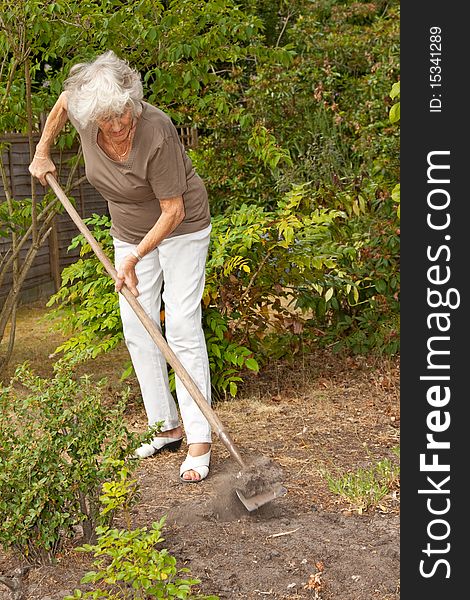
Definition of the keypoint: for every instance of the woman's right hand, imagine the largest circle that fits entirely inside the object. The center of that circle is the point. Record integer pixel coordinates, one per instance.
(126, 275)
(40, 166)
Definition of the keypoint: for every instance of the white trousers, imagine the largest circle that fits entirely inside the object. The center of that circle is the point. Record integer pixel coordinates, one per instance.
(177, 264)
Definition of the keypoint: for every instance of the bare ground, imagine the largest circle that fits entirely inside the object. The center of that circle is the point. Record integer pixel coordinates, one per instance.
(324, 413)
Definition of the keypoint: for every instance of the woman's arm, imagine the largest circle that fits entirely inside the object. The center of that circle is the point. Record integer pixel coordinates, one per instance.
(172, 215)
(57, 118)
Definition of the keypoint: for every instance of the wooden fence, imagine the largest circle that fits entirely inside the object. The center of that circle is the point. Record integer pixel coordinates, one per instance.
(44, 276)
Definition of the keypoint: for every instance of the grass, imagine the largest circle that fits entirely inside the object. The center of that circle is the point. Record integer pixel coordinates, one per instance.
(366, 488)
(37, 338)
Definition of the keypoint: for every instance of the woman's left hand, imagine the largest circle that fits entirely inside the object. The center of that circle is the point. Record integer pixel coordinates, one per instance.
(126, 275)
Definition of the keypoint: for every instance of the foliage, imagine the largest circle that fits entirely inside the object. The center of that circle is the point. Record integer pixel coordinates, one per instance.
(366, 488)
(227, 357)
(301, 275)
(266, 269)
(371, 321)
(290, 98)
(326, 116)
(394, 114)
(194, 54)
(87, 295)
(129, 563)
(326, 110)
(57, 438)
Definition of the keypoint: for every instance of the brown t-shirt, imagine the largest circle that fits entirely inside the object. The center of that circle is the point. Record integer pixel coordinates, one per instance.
(157, 168)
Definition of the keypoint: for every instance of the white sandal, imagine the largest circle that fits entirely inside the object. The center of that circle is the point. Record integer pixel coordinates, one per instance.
(158, 444)
(200, 464)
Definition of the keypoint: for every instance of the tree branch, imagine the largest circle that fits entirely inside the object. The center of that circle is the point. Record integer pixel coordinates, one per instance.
(255, 275)
(286, 20)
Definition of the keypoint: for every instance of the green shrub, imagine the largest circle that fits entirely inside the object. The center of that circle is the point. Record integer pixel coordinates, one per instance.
(56, 439)
(267, 269)
(87, 298)
(326, 110)
(369, 320)
(276, 280)
(128, 561)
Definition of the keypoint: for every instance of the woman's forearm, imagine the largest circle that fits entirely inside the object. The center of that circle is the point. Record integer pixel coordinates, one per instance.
(172, 215)
(42, 163)
(55, 122)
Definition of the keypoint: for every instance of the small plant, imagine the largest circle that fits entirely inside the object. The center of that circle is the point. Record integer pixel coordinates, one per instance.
(87, 300)
(365, 488)
(58, 440)
(226, 357)
(129, 564)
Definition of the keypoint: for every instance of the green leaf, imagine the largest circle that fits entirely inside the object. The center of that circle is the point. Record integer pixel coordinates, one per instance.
(395, 113)
(252, 364)
(395, 91)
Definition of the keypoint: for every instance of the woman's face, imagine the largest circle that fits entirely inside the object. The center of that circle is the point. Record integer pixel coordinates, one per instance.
(116, 127)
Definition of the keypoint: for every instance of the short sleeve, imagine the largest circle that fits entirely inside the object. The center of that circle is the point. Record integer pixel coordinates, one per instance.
(166, 169)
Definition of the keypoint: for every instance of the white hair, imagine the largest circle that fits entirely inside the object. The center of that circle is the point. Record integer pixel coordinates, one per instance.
(106, 86)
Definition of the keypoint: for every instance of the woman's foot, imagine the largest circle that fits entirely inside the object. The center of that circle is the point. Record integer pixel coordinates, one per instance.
(176, 433)
(167, 440)
(201, 466)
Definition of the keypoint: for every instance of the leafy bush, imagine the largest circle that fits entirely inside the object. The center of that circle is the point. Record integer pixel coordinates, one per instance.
(266, 269)
(304, 273)
(369, 321)
(276, 279)
(327, 118)
(325, 112)
(56, 439)
(88, 297)
(129, 563)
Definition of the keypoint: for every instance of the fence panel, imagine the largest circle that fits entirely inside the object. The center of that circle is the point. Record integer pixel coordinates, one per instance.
(44, 275)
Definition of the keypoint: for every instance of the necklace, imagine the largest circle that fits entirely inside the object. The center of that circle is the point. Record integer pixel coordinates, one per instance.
(121, 156)
(128, 146)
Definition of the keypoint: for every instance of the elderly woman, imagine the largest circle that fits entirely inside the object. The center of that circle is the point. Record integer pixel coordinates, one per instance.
(160, 227)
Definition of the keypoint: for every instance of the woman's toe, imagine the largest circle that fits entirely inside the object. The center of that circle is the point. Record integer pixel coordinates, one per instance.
(195, 468)
(191, 476)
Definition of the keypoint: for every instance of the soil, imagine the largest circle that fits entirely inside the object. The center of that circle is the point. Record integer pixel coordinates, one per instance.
(293, 423)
